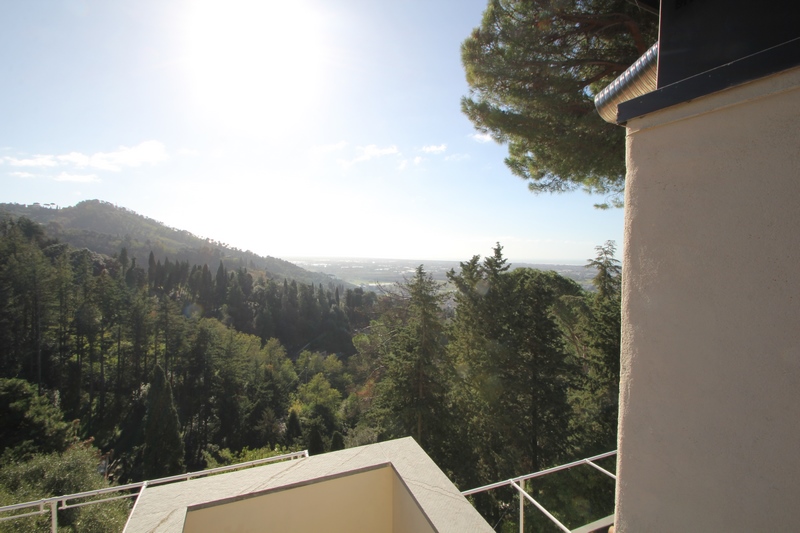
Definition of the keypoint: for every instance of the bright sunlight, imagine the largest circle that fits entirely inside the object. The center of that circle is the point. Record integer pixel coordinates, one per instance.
(255, 65)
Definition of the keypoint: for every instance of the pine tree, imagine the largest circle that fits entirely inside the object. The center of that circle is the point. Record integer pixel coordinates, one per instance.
(533, 67)
(162, 454)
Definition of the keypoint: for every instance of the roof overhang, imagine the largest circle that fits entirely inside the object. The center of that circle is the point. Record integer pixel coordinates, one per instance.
(705, 47)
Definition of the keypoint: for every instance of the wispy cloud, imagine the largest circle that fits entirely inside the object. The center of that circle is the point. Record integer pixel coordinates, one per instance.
(35, 161)
(147, 152)
(415, 161)
(23, 175)
(434, 149)
(365, 153)
(457, 157)
(482, 137)
(77, 178)
(372, 151)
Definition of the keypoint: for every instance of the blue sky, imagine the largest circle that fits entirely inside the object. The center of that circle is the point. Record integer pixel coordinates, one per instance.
(302, 128)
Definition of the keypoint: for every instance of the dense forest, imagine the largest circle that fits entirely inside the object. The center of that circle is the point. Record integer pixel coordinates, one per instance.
(167, 367)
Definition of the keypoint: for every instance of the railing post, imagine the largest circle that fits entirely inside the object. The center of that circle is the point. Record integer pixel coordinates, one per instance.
(539, 506)
(54, 517)
(522, 508)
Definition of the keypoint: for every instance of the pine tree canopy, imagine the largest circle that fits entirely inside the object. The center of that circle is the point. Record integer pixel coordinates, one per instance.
(533, 68)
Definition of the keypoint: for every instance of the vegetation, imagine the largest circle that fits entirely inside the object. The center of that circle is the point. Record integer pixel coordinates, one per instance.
(533, 68)
(508, 372)
(162, 451)
(55, 474)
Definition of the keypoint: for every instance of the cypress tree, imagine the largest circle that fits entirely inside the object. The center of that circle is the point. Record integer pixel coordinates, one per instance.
(220, 286)
(316, 445)
(337, 441)
(151, 269)
(293, 429)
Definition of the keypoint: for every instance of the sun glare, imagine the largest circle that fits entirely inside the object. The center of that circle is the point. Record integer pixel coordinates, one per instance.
(255, 65)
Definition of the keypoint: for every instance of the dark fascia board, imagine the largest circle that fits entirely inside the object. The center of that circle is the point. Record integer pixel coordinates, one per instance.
(749, 68)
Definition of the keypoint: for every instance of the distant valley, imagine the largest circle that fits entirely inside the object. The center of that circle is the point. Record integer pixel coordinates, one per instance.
(372, 274)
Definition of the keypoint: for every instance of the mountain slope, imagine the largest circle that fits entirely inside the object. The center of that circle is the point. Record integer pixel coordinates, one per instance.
(105, 228)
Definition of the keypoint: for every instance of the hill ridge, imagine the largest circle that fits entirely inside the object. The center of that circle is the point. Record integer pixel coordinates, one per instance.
(106, 228)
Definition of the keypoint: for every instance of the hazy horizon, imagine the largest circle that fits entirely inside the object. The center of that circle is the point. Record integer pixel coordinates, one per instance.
(570, 262)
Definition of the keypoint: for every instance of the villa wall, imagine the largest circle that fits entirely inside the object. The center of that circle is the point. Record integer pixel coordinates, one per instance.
(710, 389)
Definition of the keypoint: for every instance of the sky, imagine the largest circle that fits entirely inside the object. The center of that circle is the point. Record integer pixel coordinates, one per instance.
(302, 128)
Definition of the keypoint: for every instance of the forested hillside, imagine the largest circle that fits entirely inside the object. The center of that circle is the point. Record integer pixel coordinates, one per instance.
(105, 228)
(169, 366)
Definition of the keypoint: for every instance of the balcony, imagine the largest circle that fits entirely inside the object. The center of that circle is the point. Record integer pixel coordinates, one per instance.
(388, 487)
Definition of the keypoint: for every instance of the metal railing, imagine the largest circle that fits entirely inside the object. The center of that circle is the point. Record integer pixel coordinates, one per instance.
(57, 503)
(518, 483)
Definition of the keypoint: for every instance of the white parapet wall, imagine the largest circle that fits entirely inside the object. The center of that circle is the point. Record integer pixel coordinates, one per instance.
(710, 390)
(388, 487)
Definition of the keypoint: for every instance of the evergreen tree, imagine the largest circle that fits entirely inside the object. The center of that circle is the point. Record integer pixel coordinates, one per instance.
(411, 397)
(512, 368)
(315, 444)
(205, 292)
(29, 422)
(288, 325)
(293, 429)
(220, 287)
(238, 307)
(27, 299)
(337, 441)
(604, 340)
(139, 331)
(123, 261)
(198, 368)
(533, 68)
(151, 269)
(162, 454)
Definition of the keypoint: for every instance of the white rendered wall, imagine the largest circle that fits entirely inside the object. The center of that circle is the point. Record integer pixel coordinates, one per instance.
(710, 391)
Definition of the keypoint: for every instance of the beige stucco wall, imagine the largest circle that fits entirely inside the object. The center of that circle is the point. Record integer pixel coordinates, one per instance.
(710, 392)
(375, 501)
(407, 517)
